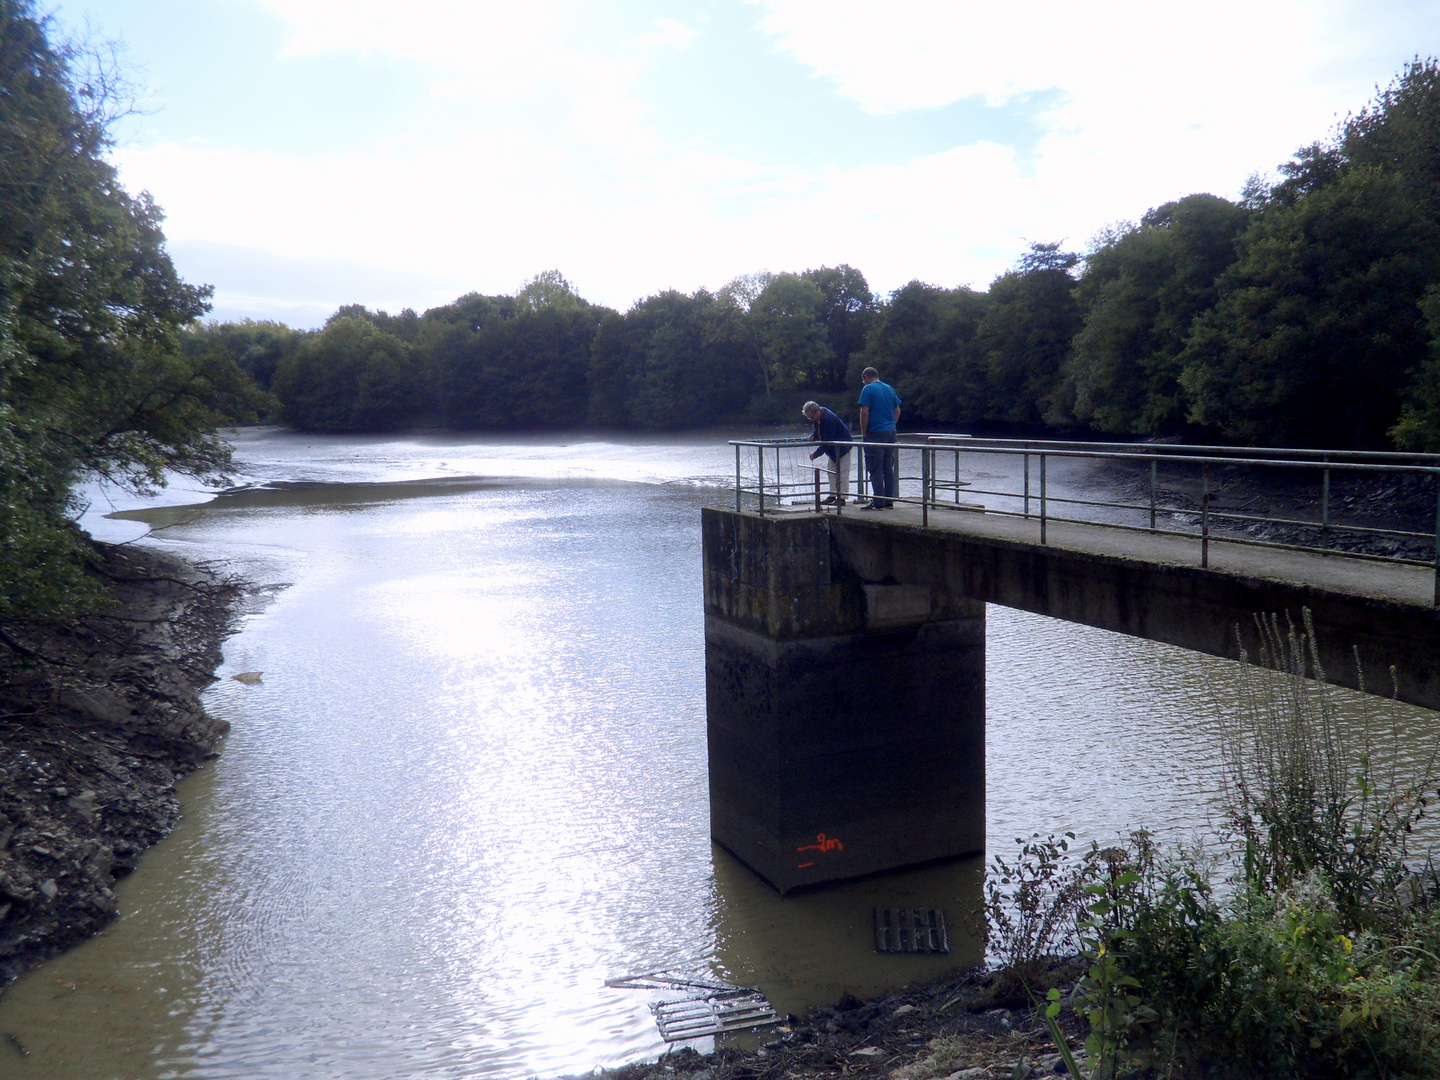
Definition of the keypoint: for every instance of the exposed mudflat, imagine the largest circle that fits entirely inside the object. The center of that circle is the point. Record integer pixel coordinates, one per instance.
(98, 720)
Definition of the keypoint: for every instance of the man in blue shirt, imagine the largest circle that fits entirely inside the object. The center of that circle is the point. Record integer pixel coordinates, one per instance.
(829, 430)
(879, 413)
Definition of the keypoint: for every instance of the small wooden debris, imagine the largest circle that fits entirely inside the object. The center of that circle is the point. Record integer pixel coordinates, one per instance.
(911, 930)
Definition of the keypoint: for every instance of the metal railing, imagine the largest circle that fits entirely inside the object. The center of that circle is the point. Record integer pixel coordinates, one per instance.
(771, 474)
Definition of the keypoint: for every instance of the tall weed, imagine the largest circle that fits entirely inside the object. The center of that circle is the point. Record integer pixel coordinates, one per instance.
(1303, 792)
(1322, 958)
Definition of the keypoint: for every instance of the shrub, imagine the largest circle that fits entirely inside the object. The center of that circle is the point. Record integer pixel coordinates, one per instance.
(1324, 961)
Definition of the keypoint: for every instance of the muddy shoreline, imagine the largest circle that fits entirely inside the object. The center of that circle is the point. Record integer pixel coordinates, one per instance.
(98, 720)
(970, 1026)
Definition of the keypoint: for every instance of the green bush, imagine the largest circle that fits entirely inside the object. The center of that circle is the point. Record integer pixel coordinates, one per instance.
(1324, 958)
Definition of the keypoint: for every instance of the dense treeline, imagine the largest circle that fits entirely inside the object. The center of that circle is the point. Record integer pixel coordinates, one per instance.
(92, 377)
(1307, 313)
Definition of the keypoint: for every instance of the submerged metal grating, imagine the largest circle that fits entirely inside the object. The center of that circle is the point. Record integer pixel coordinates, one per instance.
(710, 1008)
(910, 930)
(691, 1018)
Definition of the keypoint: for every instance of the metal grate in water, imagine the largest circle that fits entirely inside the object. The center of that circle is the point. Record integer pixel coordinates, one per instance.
(912, 930)
(708, 1008)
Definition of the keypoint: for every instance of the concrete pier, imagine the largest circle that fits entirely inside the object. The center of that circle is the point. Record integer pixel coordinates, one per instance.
(846, 717)
(845, 660)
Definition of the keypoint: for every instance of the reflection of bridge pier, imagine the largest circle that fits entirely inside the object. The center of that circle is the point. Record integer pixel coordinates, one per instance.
(813, 947)
(845, 660)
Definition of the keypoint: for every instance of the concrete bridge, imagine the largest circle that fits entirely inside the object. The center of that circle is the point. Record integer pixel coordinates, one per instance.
(845, 659)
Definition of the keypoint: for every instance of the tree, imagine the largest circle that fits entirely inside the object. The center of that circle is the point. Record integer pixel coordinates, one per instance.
(91, 313)
(1317, 325)
(1142, 288)
(733, 324)
(1419, 425)
(548, 290)
(1400, 133)
(1025, 335)
(847, 311)
(530, 371)
(352, 376)
(787, 327)
(257, 348)
(661, 365)
(924, 344)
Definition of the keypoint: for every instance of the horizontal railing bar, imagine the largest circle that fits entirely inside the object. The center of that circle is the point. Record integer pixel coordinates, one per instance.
(1103, 456)
(804, 490)
(1182, 534)
(1167, 449)
(1247, 541)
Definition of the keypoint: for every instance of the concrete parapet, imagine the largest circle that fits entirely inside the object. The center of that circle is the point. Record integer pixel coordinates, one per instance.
(1184, 605)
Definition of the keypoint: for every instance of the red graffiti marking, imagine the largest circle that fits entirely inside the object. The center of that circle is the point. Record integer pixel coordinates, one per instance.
(823, 844)
(803, 865)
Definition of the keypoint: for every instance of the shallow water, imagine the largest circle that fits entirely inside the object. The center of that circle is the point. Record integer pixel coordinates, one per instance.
(470, 785)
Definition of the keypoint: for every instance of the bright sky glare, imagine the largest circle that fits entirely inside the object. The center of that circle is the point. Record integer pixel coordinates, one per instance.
(312, 153)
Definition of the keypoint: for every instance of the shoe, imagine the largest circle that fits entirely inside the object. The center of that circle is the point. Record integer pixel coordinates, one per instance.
(872, 506)
(829, 500)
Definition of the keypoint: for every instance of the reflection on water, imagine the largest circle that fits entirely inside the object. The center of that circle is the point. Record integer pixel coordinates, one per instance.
(471, 786)
(812, 948)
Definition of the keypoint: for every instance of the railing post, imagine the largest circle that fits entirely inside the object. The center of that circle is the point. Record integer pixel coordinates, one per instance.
(957, 475)
(1205, 516)
(925, 491)
(817, 488)
(1042, 498)
(1027, 483)
(760, 476)
(1154, 470)
(1437, 537)
(1325, 507)
(737, 478)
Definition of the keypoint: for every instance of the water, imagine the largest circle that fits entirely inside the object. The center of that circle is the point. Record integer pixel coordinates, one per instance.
(471, 784)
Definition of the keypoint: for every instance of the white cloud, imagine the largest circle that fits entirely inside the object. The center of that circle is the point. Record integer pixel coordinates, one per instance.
(1157, 101)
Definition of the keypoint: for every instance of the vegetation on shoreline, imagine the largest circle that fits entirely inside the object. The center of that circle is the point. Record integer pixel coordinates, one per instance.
(93, 381)
(1318, 956)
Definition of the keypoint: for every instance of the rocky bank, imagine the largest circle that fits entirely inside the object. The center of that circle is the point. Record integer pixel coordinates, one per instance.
(98, 720)
(972, 1026)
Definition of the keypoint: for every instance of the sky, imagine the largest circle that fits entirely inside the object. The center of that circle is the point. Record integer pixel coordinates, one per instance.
(314, 153)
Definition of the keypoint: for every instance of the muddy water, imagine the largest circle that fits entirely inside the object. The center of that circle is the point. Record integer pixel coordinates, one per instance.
(470, 784)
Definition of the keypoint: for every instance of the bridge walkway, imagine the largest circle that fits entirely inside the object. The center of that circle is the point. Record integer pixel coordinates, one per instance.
(1398, 583)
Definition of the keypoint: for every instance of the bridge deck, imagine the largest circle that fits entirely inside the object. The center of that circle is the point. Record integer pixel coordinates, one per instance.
(1397, 583)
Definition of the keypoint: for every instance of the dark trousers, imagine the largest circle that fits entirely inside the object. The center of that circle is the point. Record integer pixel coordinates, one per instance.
(882, 463)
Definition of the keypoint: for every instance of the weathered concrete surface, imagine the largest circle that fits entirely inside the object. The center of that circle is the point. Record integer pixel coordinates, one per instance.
(1152, 587)
(846, 719)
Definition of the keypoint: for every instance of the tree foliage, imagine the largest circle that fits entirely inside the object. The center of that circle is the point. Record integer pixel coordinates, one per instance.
(93, 379)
